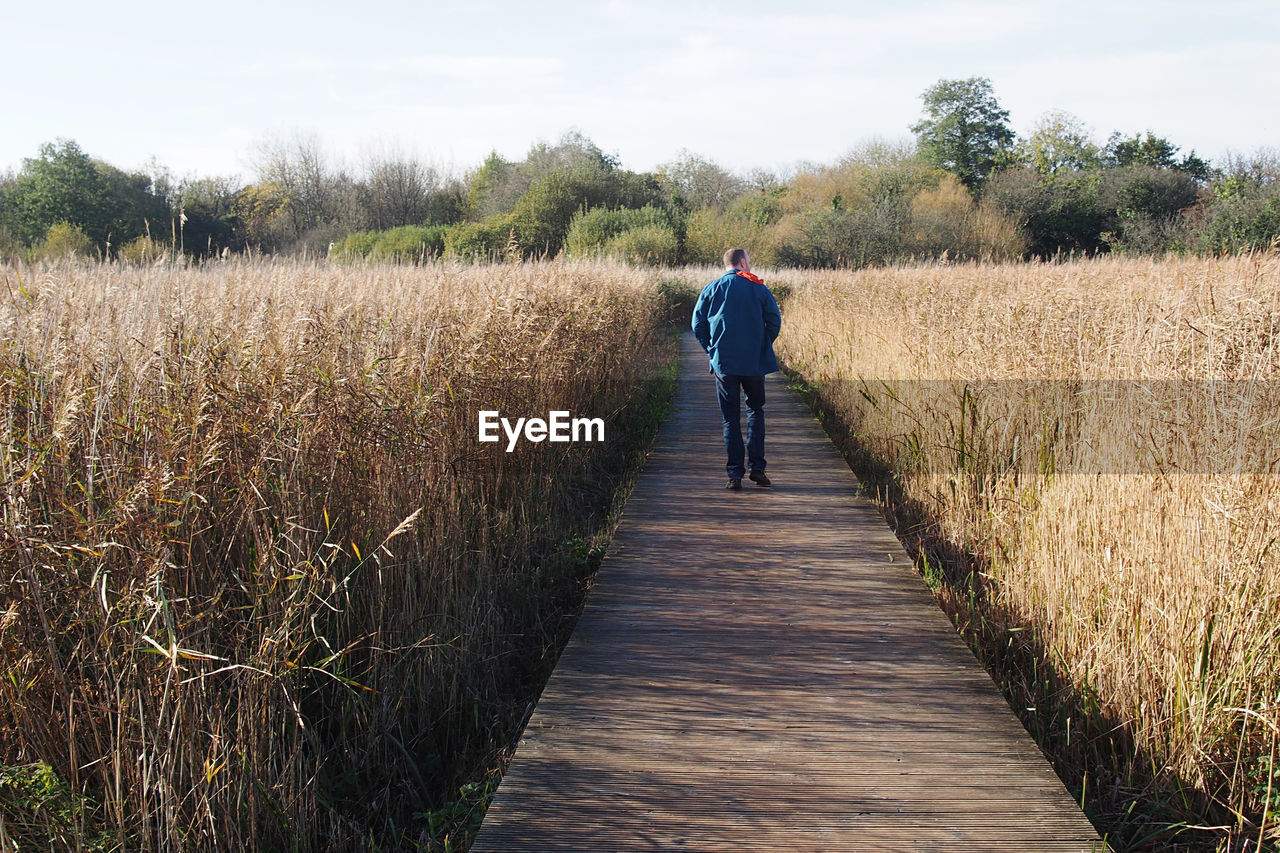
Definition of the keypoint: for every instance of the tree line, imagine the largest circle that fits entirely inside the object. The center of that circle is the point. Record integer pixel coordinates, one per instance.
(966, 187)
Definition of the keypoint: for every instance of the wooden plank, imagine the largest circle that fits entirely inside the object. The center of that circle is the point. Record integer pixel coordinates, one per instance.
(765, 670)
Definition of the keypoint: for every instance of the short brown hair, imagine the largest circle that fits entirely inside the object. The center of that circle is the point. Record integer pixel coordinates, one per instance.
(734, 257)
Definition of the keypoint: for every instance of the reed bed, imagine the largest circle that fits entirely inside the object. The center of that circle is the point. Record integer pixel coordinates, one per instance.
(1084, 456)
(261, 587)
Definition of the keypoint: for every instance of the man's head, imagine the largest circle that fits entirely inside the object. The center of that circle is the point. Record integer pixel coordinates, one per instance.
(738, 259)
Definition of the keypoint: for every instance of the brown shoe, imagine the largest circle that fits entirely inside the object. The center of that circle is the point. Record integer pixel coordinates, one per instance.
(760, 479)
(734, 484)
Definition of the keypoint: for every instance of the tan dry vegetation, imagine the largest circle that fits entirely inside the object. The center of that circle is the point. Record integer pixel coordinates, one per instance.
(261, 586)
(1091, 448)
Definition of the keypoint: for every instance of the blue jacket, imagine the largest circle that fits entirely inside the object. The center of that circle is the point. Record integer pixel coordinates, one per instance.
(736, 319)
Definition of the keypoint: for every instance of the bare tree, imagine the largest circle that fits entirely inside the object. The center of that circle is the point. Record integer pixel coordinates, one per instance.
(297, 168)
(701, 182)
(397, 190)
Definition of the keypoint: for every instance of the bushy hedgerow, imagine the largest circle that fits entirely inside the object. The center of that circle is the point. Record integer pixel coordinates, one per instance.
(653, 245)
(355, 246)
(63, 239)
(412, 243)
(405, 244)
(482, 241)
(710, 231)
(1238, 214)
(591, 231)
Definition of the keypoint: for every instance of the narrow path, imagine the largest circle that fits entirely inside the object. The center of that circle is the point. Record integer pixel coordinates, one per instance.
(765, 670)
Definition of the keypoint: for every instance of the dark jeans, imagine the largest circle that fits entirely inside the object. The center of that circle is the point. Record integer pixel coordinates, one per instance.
(728, 390)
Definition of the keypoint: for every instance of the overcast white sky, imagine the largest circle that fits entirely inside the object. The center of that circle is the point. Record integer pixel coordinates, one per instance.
(749, 84)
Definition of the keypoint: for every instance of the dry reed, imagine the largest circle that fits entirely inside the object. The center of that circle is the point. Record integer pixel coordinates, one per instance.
(261, 586)
(1090, 450)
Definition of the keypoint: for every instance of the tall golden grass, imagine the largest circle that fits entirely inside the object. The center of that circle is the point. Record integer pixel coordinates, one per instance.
(1089, 449)
(261, 587)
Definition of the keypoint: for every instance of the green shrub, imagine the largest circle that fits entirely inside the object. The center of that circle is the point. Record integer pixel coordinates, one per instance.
(1143, 192)
(543, 214)
(63, 239)
(757, 208)
(1238, 215)
(709, 233)
(482, 241)
(868, 236)
(354, 246)
(591, 231)
(39, 811)
(404, 244)
(820, 238)
(1144, 234)
(410, 243)
(679, 295)
(654, 245)
(1063, 215)
(143, 250)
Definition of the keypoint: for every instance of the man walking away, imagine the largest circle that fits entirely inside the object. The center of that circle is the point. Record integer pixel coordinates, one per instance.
(736, 319)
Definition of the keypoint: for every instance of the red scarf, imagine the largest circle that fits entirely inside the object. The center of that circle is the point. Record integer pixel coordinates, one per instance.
(751, 277)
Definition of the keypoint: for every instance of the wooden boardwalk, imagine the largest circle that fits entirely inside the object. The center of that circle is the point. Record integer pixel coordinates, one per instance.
(765, 670)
